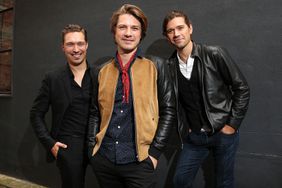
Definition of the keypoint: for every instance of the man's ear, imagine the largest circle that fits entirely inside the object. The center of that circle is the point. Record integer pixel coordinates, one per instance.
(191, 29)
(62, 47)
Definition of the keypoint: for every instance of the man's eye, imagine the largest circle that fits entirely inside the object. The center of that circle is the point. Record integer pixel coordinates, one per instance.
(180, 27)
(121, 27)
(81, 43)
(135, 28)
(69, 45)
(169, 31)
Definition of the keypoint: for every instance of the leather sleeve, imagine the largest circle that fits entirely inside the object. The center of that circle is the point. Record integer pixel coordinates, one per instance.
(238, 85)
(94, 114)
(167, 111)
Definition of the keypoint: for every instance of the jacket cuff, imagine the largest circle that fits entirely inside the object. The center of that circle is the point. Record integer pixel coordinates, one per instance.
(50, 144)
(234, 123)
(90, 151)
(154, 152)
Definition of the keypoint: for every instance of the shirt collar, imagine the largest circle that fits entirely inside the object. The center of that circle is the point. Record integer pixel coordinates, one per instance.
(138, 54)
(180, 60)
(70, 72)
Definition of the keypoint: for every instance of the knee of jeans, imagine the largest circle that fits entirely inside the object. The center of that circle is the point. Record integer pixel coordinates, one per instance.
(180, 180)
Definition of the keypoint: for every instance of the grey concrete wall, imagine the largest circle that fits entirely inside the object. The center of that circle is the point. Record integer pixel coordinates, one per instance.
(249, 30)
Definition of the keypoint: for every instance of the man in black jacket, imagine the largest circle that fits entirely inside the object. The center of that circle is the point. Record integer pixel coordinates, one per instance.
(67, 91)
(213, 98)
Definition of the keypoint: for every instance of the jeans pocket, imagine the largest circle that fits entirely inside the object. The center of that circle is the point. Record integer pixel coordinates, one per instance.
(60, 153)
(228, 135)
(59, 156)
(197, 138)
(229, 139)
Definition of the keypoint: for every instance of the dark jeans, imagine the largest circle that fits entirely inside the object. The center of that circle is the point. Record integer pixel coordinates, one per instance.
(133, 175)
(72, 162)
(195, 150)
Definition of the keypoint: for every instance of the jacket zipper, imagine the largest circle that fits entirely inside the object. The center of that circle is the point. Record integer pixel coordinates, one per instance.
(203, 94)
(135, 127)
(177, 101)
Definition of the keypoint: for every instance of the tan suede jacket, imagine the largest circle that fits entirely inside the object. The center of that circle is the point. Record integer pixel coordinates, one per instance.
(153, 102)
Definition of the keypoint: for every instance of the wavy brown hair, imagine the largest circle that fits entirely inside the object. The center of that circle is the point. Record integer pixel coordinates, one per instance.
(133, 10)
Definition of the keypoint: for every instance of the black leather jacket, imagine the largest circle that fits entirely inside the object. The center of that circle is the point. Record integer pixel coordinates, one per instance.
(225, 91)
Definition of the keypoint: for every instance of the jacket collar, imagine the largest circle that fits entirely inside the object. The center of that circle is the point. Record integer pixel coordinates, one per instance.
(69, 72)
(195, 50)
(194, 53)
(65, 81)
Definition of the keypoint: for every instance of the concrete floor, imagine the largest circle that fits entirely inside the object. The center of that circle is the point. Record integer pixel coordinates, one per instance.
(10, 182)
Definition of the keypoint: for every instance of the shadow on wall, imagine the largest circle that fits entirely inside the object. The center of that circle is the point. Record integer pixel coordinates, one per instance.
(32, 159)
(101, 61)
(160, 48)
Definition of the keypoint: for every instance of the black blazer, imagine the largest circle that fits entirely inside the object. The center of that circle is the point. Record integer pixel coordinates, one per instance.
(55, 91)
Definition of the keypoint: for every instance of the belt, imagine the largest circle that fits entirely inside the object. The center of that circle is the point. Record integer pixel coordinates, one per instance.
(203, 130)
(206, 128)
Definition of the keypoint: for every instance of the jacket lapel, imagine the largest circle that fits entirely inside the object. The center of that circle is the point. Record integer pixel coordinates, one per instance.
(66, 84)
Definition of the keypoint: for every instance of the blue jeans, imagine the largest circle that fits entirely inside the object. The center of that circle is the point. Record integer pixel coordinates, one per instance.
(196, 148)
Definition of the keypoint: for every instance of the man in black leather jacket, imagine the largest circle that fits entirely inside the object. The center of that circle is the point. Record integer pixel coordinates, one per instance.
(213, 98)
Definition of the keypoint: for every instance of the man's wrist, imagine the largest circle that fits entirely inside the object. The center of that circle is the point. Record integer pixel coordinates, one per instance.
(154, 152)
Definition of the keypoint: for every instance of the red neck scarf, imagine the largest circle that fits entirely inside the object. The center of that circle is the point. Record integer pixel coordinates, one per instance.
(125, 76)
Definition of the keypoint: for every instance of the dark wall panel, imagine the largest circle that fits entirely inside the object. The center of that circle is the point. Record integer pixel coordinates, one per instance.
(249, 30)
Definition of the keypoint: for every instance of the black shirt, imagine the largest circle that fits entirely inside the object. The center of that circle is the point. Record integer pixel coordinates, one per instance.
(76, 116)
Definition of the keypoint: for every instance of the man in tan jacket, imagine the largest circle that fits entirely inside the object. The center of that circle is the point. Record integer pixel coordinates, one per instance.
(133, 108)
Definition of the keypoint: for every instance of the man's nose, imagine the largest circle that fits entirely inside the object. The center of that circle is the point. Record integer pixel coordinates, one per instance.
(128, 32)
(176, 32)
(75, 48)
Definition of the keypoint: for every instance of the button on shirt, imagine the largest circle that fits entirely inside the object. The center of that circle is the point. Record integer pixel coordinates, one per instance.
(118, 145)
(186, 67)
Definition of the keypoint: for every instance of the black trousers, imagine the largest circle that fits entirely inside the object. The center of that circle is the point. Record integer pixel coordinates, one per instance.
(133, 175)
(72, 162)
